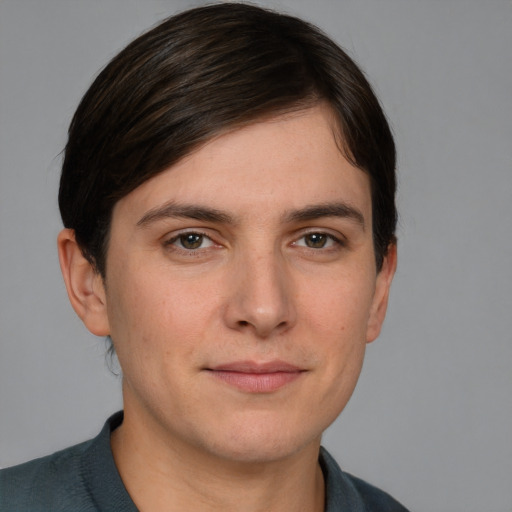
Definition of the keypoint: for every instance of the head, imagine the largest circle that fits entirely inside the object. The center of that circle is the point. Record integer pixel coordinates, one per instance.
(228, 193)
(202, 73)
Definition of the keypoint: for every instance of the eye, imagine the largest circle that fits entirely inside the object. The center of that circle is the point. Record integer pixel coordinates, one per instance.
(317, 241)
(190, 241)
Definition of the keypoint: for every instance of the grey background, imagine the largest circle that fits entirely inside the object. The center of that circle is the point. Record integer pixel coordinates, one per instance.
(431, 419)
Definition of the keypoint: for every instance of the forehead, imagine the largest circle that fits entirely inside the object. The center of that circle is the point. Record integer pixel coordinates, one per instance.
(266, 167)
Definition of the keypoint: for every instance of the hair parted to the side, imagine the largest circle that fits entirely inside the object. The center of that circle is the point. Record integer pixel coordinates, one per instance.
(200, 73)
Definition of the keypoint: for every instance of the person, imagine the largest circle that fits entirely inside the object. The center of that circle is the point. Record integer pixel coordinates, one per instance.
(227, 193)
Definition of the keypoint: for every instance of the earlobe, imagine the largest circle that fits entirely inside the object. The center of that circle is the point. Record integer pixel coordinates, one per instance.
(381, 296)
(85, 287)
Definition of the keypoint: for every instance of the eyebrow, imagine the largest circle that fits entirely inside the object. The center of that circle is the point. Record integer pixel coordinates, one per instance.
(207, 214)
(337, 209)
(175, 210)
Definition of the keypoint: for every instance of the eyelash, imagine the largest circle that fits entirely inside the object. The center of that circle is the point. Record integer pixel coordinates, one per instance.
(171, 242)
(336, 242)
(332, 241)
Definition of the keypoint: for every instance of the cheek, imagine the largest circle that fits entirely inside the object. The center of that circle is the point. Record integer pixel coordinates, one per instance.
(339, 305)
(338, 316)
(157, 319)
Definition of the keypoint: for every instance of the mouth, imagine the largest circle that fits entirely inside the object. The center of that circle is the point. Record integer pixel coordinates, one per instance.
(252, 377)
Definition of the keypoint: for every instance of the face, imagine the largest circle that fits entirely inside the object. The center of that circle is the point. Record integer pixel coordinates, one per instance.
(241, 290)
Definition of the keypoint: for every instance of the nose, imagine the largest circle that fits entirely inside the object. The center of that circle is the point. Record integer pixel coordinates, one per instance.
(261, 299)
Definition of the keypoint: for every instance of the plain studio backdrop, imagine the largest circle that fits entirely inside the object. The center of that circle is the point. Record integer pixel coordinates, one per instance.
(431, 418)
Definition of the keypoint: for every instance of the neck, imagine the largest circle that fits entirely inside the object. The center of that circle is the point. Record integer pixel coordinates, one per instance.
(180, 477)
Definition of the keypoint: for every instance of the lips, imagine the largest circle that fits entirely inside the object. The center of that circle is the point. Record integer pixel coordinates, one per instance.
(252, 377)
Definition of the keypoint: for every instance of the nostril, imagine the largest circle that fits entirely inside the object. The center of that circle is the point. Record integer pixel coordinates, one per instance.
(243, 323)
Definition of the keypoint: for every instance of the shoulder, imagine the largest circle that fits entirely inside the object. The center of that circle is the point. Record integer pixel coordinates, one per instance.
(83, 478)
(375, 499)
(53, 482)
(347, 492)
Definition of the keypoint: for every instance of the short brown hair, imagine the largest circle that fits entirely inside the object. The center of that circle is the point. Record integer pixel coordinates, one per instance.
(195, 75)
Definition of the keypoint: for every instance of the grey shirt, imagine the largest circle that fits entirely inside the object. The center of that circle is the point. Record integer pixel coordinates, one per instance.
(84, 478)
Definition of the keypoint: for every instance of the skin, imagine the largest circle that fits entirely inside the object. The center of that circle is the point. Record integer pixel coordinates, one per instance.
(264, 277)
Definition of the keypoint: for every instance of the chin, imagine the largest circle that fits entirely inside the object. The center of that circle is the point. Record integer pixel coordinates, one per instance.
(255, 445)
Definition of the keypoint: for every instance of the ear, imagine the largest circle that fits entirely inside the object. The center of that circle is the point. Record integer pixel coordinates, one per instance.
(85, 287)
(381, 295)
